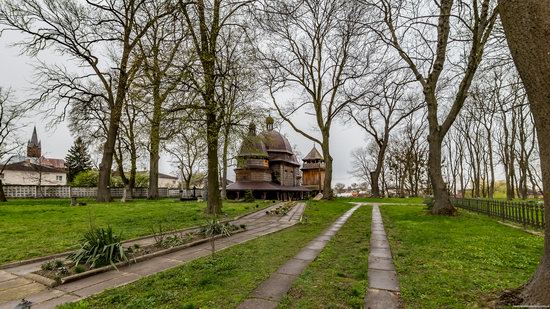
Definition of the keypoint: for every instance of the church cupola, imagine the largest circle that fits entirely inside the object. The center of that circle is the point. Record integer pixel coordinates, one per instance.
(269, 123)
(34, 147)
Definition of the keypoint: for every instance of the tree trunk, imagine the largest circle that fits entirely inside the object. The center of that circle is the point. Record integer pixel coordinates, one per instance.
(2, 194)
(213, 199)
(154, 140)
(375, 175)
(127, 194)
(327, 184)
(442, 200)
(527, 28)
(224, 162)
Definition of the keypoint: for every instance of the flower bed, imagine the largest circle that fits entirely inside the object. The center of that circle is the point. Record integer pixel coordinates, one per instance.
(282, 209)
(56, 272)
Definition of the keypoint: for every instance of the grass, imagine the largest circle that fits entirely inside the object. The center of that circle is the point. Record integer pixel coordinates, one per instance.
(392, 200)
(222, 281)
(338, 277)
(457, 262)
(38, 227)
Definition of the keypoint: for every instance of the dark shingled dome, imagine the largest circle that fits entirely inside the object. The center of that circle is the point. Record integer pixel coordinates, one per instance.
(253, 146)
(275, 142)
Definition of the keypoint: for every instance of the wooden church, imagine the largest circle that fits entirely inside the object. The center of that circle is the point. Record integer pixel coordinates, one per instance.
(267, 166)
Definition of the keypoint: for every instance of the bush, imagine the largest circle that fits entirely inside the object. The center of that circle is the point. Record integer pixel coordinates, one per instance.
(86, 179)
(99, 247)
(249, 197)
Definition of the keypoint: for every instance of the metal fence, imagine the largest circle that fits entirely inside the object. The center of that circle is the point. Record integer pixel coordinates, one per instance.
(526, 213)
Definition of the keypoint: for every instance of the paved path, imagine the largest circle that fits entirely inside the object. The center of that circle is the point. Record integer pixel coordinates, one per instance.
(270, 292)
(383, 291)
(14, 285)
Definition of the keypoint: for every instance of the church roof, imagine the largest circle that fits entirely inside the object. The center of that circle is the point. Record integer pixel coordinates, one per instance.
(26, 166)
(313, 155)
(34, 139)
(253, 146)
(276, 142)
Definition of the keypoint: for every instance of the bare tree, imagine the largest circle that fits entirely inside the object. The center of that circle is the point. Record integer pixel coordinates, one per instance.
(527, 25)
(89, 33)
(322, 51)
(391, 102)
(422, 32)
(10, 117)
(187, 149)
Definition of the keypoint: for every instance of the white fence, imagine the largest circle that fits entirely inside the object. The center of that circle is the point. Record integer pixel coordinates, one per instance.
(67, 192)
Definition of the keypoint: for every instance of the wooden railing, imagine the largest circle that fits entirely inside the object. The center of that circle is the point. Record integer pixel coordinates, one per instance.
(526, 213)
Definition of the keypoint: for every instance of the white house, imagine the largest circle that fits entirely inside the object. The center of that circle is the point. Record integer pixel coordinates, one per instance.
(28, 173)
(168, 181)
(34, 169)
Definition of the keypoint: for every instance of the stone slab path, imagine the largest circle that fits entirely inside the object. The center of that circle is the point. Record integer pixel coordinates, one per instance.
(270, 292)
(14, 285)
(383, 291)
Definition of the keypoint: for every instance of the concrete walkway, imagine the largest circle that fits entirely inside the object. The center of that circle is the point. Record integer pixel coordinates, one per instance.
(14, 285)
(270, 292)
(383, 291)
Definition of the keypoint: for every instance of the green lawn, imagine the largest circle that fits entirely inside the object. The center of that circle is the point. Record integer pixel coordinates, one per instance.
(338, 277)
(32, 228)
(224, 280)
(392, 200)
(457, 262)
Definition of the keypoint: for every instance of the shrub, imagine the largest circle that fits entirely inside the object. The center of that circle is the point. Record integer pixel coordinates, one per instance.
(99, 247)
(214, 227)
(52, 265)
(248, 197)
(86, 179)
(79, 269)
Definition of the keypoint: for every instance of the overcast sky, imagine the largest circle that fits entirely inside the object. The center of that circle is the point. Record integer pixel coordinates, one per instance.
(17, 74)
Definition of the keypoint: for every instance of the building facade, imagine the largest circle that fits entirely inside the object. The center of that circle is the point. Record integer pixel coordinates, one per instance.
(267, 166)
(313, 171)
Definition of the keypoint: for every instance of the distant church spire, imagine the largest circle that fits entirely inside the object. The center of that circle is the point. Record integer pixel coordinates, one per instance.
(34, 146)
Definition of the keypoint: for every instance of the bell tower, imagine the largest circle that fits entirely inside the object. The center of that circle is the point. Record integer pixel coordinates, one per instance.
(34, 146)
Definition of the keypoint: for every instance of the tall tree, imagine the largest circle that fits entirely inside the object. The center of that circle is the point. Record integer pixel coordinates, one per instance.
(164, 51)
(206, 21)
(436, 28)
(527, 27)
(321, 49)
(77, 159)
(90, 33)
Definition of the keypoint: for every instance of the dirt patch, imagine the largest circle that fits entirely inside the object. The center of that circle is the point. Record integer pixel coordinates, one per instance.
(505, 299)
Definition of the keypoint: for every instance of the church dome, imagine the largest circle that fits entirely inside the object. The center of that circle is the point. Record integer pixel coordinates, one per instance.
(275, 142)
(253, 146)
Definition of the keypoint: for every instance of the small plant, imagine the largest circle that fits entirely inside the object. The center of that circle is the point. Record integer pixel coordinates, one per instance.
(242, 226)
(249, 197)
(214, 228)
(79, 269)
(99, 247)
(52, 265)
